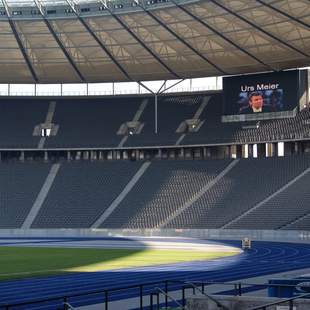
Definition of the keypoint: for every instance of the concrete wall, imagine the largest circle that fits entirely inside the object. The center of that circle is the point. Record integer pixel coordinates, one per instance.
(219, 234)
(243, 303)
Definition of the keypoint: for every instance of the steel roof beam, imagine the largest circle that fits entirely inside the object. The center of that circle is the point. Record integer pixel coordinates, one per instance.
(95, 37)
(19, 42)
(260, 29)
(222, 36)
(181, 39)
(284, 13)
(89, 30)
(139, 40)
(66, 53)
(175, 84)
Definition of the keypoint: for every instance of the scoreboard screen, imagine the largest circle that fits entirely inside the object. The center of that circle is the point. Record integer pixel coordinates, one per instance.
(261, 93)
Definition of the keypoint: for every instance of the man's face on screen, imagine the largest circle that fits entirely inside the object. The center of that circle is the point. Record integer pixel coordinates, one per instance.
(257, 102)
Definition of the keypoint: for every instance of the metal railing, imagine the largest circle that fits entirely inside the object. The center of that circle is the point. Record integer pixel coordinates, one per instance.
(202, 291)
(167, 296)
(152, 289)
(67, 306)
(90, 93)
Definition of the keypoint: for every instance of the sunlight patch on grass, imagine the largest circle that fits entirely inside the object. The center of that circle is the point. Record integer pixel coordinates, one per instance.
(152, 257)
(26, 262)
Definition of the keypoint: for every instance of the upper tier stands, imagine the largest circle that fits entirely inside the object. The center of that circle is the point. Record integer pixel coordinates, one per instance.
(17, 121)
(91, 123)
(172, 111)
(241, 194)
(94, 122)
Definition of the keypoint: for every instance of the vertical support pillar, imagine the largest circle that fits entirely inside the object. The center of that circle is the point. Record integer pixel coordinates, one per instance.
(245, 151)
(271, 149)
(296, 147)
(68, 155)
(181, 153)
(261, 150)
(250, 150)
(227, 151)
(156, 110)
(45, 156)
(22, 156)
(233, 151)
(159, 154)
(205, 153)
(281, 149)
(274, 149)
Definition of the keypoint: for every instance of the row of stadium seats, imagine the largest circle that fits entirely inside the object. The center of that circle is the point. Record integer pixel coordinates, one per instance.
(95, 122)
(245, 186)
(164, 187)
(247, 193)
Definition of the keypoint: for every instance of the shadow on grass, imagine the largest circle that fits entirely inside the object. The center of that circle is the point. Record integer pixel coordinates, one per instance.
(16, 263)
(31, 261)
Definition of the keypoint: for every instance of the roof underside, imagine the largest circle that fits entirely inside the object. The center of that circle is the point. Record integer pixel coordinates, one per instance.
(180, 39)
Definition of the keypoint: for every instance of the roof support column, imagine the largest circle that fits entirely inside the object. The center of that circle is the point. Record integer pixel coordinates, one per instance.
(156, 116)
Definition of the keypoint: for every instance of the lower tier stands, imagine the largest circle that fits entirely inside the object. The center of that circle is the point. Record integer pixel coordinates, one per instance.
(267, 193)
(96, 122)
(164, 187)
(290, 203)
(20, 184)
(301, 223)
(246, 185)
(81, 192)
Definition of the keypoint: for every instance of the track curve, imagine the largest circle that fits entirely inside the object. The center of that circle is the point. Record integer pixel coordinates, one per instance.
(264, 258)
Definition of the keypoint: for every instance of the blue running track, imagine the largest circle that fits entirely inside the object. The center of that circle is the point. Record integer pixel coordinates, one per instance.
(264, 258)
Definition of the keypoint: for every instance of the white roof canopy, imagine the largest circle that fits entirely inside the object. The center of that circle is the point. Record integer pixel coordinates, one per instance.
(47, 41)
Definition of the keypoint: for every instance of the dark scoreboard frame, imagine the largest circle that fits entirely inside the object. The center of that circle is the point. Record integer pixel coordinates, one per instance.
(287, 85)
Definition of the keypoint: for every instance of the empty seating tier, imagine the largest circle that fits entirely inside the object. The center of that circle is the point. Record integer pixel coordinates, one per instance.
(164, 187)
(267, 193)
(82, 191)
(95, 122)
(20, 184)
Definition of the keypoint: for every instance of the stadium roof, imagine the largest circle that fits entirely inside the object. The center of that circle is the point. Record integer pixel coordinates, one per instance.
(45, 41)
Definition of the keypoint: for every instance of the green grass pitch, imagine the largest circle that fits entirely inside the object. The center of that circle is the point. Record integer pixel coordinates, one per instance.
(25, 262)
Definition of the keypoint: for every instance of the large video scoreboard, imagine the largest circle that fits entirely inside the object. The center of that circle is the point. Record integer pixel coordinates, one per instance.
(261, 96)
